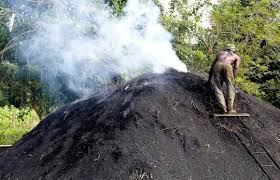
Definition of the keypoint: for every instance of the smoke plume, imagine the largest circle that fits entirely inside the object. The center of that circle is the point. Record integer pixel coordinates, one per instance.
(85, 42)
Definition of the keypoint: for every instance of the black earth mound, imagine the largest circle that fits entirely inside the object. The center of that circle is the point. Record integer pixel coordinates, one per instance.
(156, 126)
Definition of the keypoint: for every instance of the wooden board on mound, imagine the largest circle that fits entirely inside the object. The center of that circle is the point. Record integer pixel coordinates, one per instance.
(232, 115)
(3, 149)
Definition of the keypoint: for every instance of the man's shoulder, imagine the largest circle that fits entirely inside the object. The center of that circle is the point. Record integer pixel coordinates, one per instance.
(236, 55)
(222, 52)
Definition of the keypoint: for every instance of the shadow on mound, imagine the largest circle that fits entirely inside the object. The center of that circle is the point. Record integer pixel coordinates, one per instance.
(156, 126)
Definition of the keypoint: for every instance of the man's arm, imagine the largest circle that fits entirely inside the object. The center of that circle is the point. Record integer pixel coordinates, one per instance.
(211, 72)
(236, 66)
(211, 69)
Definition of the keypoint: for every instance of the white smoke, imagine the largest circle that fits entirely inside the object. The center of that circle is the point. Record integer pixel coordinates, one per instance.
(11, 22)
(83, 40)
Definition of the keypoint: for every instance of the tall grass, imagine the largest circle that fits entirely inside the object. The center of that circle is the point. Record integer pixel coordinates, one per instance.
(14, 123)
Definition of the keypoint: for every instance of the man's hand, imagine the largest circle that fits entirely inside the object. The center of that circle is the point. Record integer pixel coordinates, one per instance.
(235, 71)
(211, 71)
(209, 83)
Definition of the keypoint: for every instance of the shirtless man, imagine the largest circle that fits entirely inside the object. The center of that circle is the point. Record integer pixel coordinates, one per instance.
(225, 69)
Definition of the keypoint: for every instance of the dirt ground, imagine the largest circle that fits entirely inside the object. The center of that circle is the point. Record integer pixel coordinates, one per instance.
(157, 126)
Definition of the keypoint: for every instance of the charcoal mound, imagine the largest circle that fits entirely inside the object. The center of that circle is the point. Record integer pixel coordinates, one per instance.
(157, 126)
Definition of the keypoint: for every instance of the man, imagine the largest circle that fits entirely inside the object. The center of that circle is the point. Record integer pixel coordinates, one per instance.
(225, 69)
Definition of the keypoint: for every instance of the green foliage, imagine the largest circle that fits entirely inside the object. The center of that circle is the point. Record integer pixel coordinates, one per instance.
(4, 13)
(254, 27)
(190, 40)
(20, 83)
(177, 20)
(116, 5)
(250, 87)
(14, 123)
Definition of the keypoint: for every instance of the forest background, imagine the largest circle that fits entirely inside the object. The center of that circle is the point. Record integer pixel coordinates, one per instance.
(253, 26)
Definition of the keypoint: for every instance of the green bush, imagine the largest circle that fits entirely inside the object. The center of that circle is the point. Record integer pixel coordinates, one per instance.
(250, 87)
(14, 123)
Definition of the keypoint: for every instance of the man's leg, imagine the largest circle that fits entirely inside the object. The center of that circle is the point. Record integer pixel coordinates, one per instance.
(219, 91)
(229, 79)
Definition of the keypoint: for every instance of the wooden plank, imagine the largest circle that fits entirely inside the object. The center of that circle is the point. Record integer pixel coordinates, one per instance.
(4, 148)
(232, 115)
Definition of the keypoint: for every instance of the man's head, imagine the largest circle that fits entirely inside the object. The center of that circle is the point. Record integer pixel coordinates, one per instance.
(229, 47)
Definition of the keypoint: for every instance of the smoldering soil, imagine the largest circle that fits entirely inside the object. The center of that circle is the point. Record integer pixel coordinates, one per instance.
(156, 126)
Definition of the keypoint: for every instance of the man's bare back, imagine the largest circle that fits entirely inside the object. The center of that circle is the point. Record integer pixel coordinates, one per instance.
(229, 57)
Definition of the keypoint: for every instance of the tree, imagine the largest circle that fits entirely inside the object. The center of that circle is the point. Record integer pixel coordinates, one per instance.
(20, 83)
(184, 24)
(253, 26)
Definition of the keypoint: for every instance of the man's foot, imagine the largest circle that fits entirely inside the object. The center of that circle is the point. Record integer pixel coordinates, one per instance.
(233, 111)
(222, 111)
